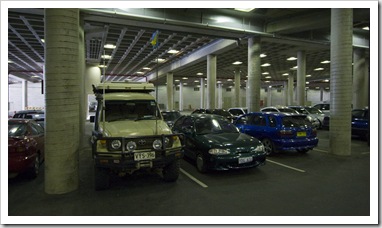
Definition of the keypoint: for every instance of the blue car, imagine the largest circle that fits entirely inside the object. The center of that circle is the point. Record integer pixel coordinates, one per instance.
(360, 123)
(279, 131)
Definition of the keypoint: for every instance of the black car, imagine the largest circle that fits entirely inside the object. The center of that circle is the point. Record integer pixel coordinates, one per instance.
(170, 117)
(216, 111)
(216, 144)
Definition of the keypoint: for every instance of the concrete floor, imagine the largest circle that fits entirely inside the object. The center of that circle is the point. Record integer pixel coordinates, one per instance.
(290, 184)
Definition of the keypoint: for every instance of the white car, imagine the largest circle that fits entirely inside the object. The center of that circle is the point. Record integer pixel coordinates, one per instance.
(313, 112)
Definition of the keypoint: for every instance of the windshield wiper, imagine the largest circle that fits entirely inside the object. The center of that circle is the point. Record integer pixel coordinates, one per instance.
(148, 117)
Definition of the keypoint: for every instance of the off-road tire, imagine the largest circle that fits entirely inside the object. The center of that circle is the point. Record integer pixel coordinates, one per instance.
(101, 178)
(171, 171)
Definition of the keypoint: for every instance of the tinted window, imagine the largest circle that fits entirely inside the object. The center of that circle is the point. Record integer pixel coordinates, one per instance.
(243, 120)
(17, 129)
(313, 110)
(170, 116)
(269, 110)
(288, 110)
(236, 112)
(258, 120)
(37, 128)
(178, 123)
(295, 121)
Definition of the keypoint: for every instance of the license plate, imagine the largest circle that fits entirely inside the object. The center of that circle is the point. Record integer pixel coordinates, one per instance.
(245, 160)
(144, 156)
(301, 134)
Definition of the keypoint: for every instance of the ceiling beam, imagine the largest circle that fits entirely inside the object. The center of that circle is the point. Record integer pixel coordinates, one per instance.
(218, 47)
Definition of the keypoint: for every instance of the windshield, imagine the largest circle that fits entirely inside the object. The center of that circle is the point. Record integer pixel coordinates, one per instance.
(170, 116)
(221, 112)
(295, 121)
(313, 110)
(16, 129)
(214, 126)
(288, 110)
(130, 110)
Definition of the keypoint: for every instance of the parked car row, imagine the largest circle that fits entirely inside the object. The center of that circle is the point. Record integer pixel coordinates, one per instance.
(359, 123)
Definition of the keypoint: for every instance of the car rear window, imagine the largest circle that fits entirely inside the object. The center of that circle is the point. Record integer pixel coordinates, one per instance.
(295, 121)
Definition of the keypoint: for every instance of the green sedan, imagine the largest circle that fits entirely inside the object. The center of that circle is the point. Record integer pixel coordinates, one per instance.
(216, 144)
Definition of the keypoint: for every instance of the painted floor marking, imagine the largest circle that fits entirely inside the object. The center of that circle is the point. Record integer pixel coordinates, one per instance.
(323, 151)
(193, 178)
(286, 166)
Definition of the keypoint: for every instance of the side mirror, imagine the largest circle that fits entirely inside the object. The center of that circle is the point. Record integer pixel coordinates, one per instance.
(92, 118)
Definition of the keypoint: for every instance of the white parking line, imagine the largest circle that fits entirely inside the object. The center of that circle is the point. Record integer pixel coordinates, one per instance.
(323, 151)
(193, 178)
(286, 166)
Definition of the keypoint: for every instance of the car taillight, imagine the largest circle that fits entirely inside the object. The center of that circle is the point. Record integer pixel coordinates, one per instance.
(285, 133)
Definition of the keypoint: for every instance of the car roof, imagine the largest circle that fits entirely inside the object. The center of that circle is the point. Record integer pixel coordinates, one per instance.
(281, 114)
(29, 111)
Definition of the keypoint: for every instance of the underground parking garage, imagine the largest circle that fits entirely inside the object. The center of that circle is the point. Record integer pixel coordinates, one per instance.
(332, 179)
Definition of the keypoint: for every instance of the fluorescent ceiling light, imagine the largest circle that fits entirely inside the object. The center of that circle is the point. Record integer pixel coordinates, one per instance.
(308, 75)
(285, 74)
(102, 66)
(229, 80)
(306, 82)
(173, 51)
(106, 56)
(291, 58)
(184, 78)
(146, 68)
(42, 40)
(245, 9)
(237, 63)
(268, 77)
(109, 46)
(265, 73)
(263, 55)
(159, 60)
(140, 72)
(320, 68)
(325, 62)
(199, 74)
(366, 28)
(266, 64)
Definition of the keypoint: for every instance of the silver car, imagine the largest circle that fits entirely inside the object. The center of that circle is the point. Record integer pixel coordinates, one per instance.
(315, 114)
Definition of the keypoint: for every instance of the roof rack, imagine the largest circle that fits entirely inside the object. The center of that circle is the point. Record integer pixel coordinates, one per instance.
(110, 87)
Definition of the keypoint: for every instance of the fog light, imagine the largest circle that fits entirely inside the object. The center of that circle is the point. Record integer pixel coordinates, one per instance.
(115, 144)
(157, 144)
(130, 146)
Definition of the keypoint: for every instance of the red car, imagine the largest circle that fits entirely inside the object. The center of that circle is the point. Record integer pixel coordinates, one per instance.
(25, 147)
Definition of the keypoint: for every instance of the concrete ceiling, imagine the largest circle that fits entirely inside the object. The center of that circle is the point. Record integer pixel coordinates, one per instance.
(195, 33)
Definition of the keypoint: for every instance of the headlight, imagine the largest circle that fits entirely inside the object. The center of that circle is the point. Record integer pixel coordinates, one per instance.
(166, 141)
(218, 151)
(115, 144)
(259, 148)
(130, 146)
(157, 144)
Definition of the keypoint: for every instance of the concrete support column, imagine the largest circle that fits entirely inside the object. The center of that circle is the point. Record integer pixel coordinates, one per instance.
(180, 96)
(24, 94)
(62, 96)
(211, 81)
(301, 72)
(341, 81)
(290, 89)
(360, 79)
(81, 72)
(170, 91)
(285, 93)
(220, 95)
(321, 94)
(254, 74)
(202, 92)
(237, 88)
(269, 96)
